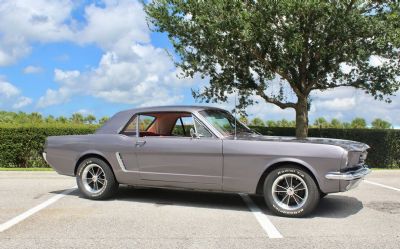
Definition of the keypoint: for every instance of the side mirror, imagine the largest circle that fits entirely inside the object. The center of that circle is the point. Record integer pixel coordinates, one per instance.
(193, 133)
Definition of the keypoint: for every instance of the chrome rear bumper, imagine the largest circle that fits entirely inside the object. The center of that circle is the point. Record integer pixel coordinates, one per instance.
(350, 175)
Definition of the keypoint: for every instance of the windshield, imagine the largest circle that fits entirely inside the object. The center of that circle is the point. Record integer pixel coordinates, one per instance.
(224, 122)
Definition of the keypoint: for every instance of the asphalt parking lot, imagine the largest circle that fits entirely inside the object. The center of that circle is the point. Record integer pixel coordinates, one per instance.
(38, 210)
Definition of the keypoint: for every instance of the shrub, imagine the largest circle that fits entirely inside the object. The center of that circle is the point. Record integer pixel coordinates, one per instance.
(22, 146)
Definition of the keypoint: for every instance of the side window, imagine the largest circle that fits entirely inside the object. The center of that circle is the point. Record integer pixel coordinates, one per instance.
(182, 127)
(179, 129)
(130, 129)
(201, 129)
(165, 124)
(184, 124)
(145, 122)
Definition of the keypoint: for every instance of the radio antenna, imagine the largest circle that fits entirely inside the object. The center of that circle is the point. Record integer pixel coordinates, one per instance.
(235, 113)
(236, 93)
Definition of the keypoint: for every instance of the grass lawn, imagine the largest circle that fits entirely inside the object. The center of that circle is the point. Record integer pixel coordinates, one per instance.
(26, 169)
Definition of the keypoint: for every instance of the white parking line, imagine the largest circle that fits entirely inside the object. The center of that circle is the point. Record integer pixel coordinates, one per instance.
(6, 225)
(265, 223)
(381, 185)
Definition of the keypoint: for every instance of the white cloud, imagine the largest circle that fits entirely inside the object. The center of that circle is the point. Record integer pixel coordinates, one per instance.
(131, 70)
(337, 104)
(7, 90)
(10, 95)
(115, 26)
(54, 97)
(377, 61)
(23, 22)
(65, 76)
(22, 102)
(12, 48)
(32, 69)
(140, 80)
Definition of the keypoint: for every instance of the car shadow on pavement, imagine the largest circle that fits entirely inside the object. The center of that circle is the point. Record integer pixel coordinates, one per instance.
(199, 199)
(332, 206)
(162, 197)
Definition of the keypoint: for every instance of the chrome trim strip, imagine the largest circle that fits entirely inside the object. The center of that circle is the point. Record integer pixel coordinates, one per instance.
(121, 163)
(44, 154)
(348, 176)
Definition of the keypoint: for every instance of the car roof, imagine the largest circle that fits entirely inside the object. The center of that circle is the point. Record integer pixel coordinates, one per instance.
(116, 123)
(171, 108)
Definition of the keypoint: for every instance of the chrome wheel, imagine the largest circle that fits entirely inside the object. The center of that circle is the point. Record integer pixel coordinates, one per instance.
(289, 191)
(94, 179)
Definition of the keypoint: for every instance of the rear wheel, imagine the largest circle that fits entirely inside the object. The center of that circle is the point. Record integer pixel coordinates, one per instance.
(95, 179)
(291, 191)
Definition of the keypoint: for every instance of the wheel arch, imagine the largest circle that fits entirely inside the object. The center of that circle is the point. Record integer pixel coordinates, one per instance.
(281, 163)
(90, 154)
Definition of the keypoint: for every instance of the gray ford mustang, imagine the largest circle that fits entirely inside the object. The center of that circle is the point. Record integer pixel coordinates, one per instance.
(198, 148)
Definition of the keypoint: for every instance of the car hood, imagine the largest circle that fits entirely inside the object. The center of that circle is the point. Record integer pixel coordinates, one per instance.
(345, 144)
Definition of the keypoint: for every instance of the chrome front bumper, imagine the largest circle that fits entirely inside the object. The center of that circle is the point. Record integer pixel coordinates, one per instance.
(350, 175)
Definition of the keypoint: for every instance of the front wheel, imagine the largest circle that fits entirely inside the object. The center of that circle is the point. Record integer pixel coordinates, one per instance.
(95, 179)
(291, 191)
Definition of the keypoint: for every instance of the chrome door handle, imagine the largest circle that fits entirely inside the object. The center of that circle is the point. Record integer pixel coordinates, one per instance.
(140, 143)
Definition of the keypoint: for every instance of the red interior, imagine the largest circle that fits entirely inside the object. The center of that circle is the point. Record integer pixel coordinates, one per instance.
(148, 134)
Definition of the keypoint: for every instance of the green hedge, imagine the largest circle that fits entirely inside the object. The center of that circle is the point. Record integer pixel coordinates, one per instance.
(22, 146)
(385, 144)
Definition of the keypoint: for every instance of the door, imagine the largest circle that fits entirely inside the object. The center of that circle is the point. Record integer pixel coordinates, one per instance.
(170, 155)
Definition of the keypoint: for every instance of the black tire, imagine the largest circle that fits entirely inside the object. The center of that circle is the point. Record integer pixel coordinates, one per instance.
(106, 176)
(295, 207)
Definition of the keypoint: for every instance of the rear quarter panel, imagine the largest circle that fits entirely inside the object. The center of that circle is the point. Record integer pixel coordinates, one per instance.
(63, 152)
(246, 161)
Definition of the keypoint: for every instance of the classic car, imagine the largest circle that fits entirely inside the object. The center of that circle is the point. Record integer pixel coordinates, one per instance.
(207, 149)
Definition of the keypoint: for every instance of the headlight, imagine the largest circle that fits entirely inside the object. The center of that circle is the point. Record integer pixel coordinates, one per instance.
(353, 158)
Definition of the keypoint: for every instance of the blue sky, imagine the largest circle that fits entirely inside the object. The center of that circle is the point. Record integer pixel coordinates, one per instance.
(98, 57)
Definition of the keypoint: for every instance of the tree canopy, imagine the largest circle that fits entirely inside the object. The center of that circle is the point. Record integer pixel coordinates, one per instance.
(380, 124)
(283, 50)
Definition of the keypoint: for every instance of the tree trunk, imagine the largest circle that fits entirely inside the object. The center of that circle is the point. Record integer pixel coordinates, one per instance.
(302, 118)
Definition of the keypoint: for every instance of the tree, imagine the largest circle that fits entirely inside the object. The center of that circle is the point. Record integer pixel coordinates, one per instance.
(103, 120)
(5, 117)
(321, 123)
(257, 122)
(62, 120)
(301, 46)
(285, 123)
(347, 125)
(50, 119)
(244, 119)
(335, 123)
(271, 123)
(358, 123)
(380, 124)
(90, 119)
(21, 118)
(35, 117)
(77, 118)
